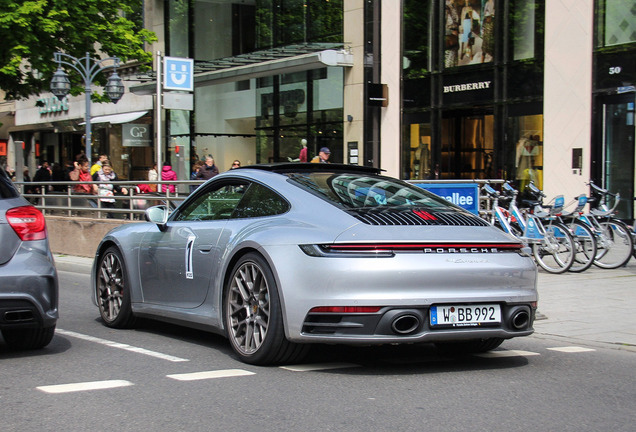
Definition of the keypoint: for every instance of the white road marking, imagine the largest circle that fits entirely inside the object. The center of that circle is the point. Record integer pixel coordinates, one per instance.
(121, 346)
(84, 386)
(319, 367)
(507, 353)
(571, 349)
(194, 376)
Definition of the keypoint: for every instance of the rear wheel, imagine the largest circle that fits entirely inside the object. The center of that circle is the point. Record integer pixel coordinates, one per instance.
(585, 246)
(113, 291)
(28, 338)
(253, 316)
(469, 346)
(615, 246)
(555, 253)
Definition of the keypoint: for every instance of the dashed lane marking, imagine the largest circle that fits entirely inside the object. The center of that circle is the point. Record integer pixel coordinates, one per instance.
(84, 386)
(122, 346)
(319, 367)
(194, 376)
(507, 353)
(571, 349)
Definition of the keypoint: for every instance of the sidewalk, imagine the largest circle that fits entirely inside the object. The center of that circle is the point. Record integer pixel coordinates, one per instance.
(595, 307)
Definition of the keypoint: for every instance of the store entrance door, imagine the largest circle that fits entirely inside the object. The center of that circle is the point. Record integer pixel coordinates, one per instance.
(467, 145)
(618, 151)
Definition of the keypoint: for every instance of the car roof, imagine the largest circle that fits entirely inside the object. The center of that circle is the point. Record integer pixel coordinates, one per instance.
(287, 167)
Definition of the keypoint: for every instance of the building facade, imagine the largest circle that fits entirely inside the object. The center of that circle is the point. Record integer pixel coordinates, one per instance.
(440, 89)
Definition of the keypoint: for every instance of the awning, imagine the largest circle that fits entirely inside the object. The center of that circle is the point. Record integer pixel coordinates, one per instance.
(260, 64)
(117, 118)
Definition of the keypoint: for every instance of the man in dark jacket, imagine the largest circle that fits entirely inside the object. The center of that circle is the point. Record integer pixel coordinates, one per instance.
(208, 170)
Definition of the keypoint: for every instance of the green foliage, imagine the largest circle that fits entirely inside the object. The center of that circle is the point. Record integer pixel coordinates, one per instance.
(31, 31)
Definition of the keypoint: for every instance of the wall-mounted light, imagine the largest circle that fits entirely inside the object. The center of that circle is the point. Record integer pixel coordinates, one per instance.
(349, 118)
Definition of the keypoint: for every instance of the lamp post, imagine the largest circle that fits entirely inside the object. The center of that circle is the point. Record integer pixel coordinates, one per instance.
(88, 70)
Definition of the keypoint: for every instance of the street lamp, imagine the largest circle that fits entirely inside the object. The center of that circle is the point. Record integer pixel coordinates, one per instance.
(60, 84)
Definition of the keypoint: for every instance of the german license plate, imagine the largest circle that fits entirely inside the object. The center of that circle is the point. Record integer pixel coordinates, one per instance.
(465, 315)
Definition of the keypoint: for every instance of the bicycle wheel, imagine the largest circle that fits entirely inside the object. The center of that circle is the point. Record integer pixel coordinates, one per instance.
(615, 245)
(584, 245)
(555, 253)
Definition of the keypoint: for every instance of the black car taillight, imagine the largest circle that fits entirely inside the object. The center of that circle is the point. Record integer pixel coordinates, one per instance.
(28, 223)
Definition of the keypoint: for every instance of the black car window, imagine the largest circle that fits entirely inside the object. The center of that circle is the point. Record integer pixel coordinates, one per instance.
(7, 189)
(361, 191)
(260, 201)
(214, 204)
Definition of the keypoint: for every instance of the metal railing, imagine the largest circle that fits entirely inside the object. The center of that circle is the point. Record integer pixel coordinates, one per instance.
(60, 198)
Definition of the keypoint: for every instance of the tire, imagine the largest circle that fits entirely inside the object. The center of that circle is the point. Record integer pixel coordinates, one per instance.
(585, 246)
(471, 346)
(253, 315)
(113, 291)
(555, 253)
(28, 338)
(616, 245)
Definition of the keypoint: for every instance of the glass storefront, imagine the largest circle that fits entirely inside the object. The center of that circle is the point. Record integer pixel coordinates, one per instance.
(257, 119)
(614, 130)
(472, 85)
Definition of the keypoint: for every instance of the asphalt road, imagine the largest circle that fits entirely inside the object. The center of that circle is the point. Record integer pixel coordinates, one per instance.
(162, 377)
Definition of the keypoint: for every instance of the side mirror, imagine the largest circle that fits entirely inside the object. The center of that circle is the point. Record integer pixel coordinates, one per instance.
(158, 215)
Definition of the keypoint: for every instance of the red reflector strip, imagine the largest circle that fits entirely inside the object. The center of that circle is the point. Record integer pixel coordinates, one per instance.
(420, 246)
(424, 215)
(345, 309)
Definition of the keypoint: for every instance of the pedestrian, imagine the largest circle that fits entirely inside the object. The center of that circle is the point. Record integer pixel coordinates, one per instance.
(208, 170)
(58, 175)
(167, 174)
(153, 177)
(323, 156)
(302, 156)
(43, 174)
(81, 173)
(195, 171)
(236, 164)
(98, 163)
(107, 189)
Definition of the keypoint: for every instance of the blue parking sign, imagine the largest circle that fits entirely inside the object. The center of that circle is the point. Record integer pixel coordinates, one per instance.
(178, 73)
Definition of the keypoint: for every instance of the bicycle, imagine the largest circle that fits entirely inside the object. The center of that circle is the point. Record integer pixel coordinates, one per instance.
(585, 236)
(552, 244)
(614, 239)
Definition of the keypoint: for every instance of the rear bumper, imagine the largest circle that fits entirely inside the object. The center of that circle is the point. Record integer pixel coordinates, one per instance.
(404, 284)
(29, 290)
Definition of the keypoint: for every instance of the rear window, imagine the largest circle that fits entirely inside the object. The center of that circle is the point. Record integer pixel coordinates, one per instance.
(7, 189)
(360, 191)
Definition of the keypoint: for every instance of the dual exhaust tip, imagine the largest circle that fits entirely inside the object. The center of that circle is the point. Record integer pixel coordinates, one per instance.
(409, 323)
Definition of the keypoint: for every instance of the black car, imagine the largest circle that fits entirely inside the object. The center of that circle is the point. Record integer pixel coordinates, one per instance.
(28, 279)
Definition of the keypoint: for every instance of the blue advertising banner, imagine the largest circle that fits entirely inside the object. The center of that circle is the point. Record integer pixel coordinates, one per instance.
(464, 195)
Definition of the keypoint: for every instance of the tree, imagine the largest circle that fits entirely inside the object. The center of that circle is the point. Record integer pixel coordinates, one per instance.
(32, 31)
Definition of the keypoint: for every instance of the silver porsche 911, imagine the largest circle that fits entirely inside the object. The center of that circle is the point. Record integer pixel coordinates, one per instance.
(280, 256)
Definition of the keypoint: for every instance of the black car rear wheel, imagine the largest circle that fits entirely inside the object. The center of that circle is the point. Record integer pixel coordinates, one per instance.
(113, 292)
(253, 316)
(28, 338)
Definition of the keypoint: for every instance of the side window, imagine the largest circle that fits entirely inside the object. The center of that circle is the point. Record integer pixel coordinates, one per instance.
(260, 201)
(214, 204)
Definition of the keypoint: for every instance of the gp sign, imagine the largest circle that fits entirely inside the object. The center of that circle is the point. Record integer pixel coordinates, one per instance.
(136, 135)
(464, 195)
(178, 74)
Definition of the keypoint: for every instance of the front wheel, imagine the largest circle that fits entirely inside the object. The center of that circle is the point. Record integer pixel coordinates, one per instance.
(113, 290)
(585, 246)
(555, 253)
(253, 315)
(615, 245)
